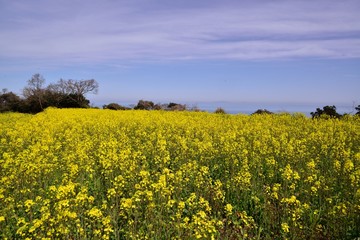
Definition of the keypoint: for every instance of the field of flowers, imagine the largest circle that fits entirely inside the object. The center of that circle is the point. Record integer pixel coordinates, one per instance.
(102, 174)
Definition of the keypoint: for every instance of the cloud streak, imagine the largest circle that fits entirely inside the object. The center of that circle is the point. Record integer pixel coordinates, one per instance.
(108, 31)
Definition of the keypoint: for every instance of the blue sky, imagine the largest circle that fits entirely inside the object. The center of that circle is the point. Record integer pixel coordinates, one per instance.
(259, 53)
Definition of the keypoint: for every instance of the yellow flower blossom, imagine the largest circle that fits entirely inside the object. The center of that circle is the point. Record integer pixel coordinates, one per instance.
(101, 174)
(228, 209)
(285, 227)
(95, 213)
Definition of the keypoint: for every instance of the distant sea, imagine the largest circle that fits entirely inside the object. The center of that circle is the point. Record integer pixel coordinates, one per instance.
(248, 108)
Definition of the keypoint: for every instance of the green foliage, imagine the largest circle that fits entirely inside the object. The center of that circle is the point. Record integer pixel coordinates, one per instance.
(144, 105)
(327, 111)
(115, 106)
(9, 101)
(149, 105)
(358, 110)
(176, 107)
(220, 110)
(64, 94)
(262, 111)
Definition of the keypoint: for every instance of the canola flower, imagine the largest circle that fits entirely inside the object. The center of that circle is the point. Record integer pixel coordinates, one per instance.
(102, 174)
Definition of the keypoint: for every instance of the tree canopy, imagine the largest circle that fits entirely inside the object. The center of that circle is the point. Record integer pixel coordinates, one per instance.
(63, 94)
(358, 110)
(329, 111)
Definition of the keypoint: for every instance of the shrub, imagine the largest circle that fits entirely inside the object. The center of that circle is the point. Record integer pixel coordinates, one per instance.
(115, 106)
(329, 111)
(220, 110)
(262, 111)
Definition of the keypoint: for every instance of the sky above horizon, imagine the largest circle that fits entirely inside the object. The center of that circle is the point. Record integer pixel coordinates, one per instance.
(283, 52)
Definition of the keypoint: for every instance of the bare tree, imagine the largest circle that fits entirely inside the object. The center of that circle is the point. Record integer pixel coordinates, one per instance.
(74, 89)
(35, 88)
(57, 87)
(71, 86)
(87, 86)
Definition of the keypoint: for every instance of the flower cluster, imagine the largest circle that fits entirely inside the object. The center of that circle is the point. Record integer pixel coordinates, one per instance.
(101, 174)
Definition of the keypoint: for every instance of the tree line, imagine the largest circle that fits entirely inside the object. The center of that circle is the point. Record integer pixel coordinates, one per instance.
(149, 105)
(72, 94)
(330, 111)
(36, 96)
(325, 112)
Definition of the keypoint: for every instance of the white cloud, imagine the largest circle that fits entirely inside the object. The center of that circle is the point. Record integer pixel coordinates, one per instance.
(101, 31)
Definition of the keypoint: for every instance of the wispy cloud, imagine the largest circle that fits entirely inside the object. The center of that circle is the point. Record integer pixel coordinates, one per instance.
(107, 31)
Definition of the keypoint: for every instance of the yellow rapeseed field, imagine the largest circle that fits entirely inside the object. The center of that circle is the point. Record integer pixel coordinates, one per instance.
(102, 174)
